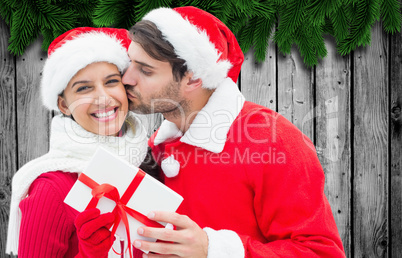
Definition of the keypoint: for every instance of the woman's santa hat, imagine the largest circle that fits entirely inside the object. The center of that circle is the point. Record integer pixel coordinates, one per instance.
(209, 48)
(74, 50)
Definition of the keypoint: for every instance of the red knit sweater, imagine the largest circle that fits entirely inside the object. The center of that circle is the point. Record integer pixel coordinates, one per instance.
(47, 224)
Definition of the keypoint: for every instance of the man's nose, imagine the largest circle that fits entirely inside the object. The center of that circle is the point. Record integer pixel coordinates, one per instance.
(129, 77)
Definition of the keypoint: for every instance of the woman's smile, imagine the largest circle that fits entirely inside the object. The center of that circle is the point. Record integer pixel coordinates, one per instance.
(106, 115)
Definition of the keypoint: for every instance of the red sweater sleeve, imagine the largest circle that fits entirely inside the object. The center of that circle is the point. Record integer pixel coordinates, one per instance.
(47, 226)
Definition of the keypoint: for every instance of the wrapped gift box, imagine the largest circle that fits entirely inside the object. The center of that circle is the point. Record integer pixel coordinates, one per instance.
(107, 168)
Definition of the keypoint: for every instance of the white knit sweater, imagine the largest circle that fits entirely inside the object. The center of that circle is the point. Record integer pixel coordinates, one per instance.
(71, 147)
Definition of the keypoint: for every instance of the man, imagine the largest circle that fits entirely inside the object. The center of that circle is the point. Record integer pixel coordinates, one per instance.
(252, 183)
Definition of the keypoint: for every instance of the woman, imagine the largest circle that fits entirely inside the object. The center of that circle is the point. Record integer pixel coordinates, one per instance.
(82, 79)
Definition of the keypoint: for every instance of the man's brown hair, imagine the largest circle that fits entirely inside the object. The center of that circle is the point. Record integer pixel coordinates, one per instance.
(150, 38)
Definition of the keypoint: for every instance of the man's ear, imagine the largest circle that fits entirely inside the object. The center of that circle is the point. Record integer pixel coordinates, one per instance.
(191, 83)
(61, 103)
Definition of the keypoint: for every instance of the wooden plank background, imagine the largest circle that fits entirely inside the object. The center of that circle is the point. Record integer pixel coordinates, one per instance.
(349, 106)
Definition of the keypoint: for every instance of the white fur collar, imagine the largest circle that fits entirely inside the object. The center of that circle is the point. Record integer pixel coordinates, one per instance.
(71, 147)
(211, 125)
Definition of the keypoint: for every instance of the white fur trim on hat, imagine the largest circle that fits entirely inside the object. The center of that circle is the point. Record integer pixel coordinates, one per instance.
(75, 55)
(192, 45)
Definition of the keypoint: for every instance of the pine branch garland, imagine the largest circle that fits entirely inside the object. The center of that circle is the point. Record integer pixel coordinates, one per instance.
(359, 35)
(319, 9)
(340, 21)
(115, 13)
(24, 30)
(246, 35)
(53, 17)
(29, 18)
(47, 38)
(6, 12)
(306, 49)
(262, 34)
(146, 6)
(105, 13)
(266, 9)
(290, 18)
(236, 20)
(212, 6)
(300, 22)
(391, 15)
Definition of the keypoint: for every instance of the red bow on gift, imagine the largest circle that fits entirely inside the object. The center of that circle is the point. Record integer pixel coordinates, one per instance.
(121, 210)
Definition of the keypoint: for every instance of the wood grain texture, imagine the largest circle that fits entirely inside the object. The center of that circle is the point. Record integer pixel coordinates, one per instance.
(8, 157)
(151, 122)
(32, 118)
(396, 145)
(333, 145)
(353, 113)
(370, 155)
(295, 92)
(258, 81)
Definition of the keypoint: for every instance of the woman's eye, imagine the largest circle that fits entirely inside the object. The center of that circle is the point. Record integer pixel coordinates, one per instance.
(112, 81)
(82, 88)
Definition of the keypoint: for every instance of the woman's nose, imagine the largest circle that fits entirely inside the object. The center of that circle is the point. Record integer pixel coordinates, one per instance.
(103, 101)
(103, 98)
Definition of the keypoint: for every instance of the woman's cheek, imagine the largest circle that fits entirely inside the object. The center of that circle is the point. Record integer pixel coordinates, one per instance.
(81, 104)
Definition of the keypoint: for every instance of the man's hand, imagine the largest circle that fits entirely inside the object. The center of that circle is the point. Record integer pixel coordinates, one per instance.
(188, 240)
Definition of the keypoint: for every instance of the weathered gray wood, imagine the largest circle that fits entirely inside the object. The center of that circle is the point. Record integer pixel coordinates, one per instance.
(151, 122)
(8, 157)
(258, 81)
(371, 147)
(295, 92)
(333, 145)
(24, 129)
(396, 145)
(32, 118)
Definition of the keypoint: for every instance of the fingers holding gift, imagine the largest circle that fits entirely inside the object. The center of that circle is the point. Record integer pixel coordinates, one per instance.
(160, 248)
(188, 240)
(163, 234)
(180, 221)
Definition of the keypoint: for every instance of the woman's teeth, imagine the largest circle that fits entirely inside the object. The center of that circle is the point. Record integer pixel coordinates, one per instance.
(105, 114)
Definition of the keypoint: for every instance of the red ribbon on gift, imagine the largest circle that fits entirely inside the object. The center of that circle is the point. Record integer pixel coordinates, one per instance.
(121, 210)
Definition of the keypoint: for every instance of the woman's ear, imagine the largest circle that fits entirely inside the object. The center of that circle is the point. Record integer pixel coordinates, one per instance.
(61, 103)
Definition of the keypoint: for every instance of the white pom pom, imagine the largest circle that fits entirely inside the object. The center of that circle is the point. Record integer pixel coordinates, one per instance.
(170, 166)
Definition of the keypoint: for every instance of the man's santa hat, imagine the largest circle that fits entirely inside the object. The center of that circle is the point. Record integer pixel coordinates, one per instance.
(209, 48)
(74, 50)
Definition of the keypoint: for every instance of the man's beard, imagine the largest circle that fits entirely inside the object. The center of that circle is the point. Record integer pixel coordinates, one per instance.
(168, 102)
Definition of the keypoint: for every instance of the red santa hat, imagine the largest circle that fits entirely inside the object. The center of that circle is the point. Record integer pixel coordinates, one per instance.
(209, 48)
(74, 50)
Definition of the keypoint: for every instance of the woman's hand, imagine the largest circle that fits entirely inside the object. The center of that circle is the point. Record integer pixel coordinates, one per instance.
(93, 233)
(187, 240)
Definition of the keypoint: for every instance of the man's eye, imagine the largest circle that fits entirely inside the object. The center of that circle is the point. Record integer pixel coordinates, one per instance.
(145, 72)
